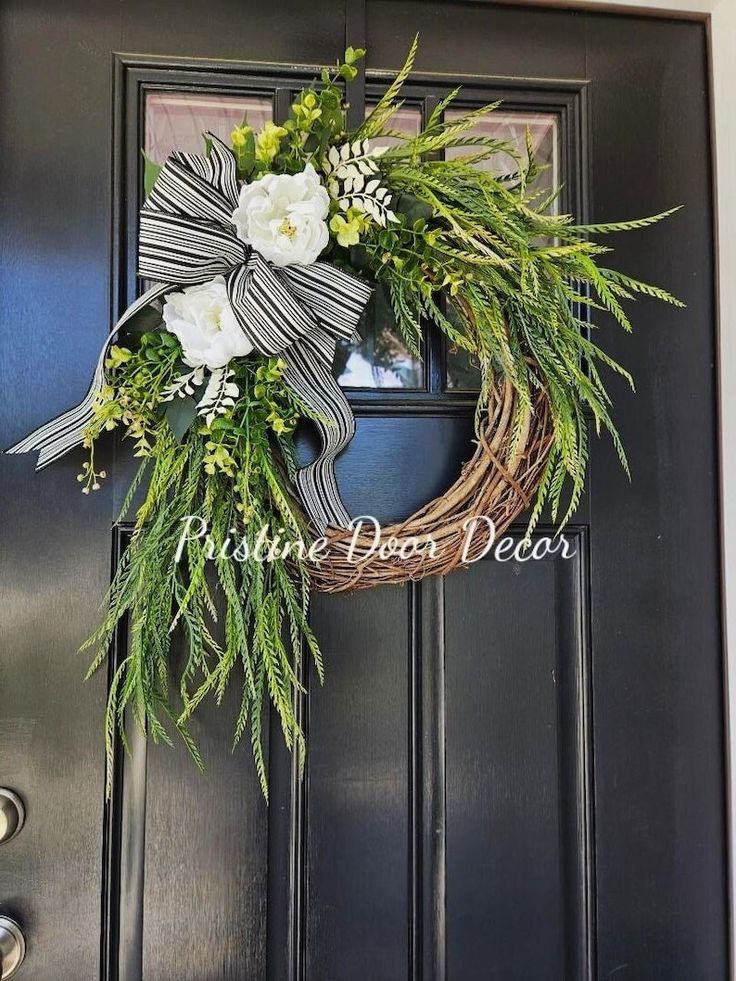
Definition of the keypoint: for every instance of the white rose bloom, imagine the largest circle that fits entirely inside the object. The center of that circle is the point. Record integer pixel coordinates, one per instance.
(205, 323)
(282, 216)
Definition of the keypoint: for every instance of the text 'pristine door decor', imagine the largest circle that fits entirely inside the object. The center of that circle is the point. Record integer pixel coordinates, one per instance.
(260, 257)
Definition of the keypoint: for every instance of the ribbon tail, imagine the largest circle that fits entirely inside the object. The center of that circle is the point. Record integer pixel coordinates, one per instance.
(64, 432)
(309, 375)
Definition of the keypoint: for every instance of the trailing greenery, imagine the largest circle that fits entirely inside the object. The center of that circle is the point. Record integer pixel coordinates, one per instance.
(474, 251)
(227, 473)
(481, 256)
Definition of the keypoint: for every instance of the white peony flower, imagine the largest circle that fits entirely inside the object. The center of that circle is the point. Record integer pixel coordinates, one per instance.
(205, 323)
(282, 216)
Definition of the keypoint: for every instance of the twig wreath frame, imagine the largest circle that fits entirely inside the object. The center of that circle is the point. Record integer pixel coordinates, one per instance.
(264, 254)
(498, 483)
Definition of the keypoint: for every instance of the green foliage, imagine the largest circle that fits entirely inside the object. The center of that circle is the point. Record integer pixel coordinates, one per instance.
(505, 280)
(180, 414)
(151, 170)
(243, 141)
(236, 618)
(375, 122)
(316, 121)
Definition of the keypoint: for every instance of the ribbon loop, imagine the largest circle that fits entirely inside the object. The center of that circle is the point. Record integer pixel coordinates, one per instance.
(313, 380)
(216, 168)
(335, 297)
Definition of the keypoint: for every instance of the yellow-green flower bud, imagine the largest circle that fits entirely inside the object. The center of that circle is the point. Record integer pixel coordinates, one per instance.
(347, 231)
(239, 135)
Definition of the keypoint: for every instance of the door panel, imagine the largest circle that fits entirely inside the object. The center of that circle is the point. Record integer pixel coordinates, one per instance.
(518, 802)
(357, 818)
(514, 773)
(206, 842)
(654, 553)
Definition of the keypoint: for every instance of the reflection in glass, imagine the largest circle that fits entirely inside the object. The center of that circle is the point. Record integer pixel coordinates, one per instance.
(463, 373)
(381, 359)
(463, 370)
(177, 120)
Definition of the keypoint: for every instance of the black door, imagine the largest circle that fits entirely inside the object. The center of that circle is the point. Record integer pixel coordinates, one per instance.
(516, 773)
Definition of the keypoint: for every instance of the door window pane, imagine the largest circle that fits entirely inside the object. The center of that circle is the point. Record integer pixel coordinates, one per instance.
(511, 127)
(177, 120)
(407, 121)
(382, 359)
(463, 373)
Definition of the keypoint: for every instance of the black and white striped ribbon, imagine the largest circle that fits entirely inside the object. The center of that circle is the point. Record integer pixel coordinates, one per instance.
(63, 433)
(298, 312)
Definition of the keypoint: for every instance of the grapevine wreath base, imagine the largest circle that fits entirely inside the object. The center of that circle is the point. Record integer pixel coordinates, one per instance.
(499, 483)
(262, 255)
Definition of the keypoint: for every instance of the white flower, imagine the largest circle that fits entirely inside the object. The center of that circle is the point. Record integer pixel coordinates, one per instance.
(283, 217)
(205, 323)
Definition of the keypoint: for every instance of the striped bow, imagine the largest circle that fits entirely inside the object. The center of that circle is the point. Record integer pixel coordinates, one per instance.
(297, 312)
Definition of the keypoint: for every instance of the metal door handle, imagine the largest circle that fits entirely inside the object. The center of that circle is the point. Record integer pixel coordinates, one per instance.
(12, 948)
(12, 814)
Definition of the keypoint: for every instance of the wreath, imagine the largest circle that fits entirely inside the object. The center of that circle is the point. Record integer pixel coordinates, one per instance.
(264, 254)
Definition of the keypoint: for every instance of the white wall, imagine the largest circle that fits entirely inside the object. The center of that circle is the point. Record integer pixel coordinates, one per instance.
(678, 7)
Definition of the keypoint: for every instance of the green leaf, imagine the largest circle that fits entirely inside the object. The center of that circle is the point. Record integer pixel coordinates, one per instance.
(330, 99)
(311, 144)
(151, 170)
(180, 414)
(221, 423)
(245, 156)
